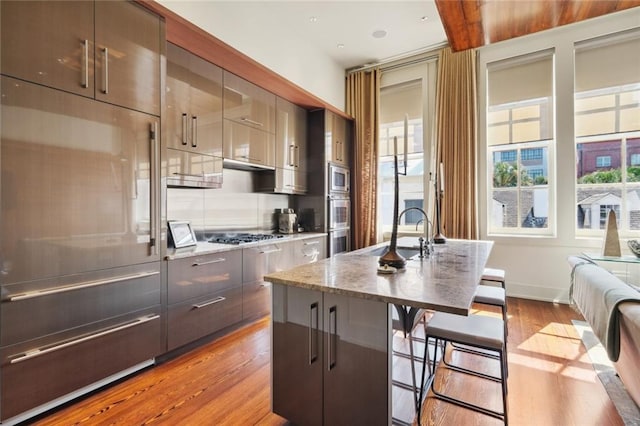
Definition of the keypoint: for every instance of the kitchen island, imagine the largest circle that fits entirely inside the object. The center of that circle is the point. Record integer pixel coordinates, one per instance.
(332, 327)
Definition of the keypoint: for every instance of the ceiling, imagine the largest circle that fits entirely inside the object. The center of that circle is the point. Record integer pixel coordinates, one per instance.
(360, 32)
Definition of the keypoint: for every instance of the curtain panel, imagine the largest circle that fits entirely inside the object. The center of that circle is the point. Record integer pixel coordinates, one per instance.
(362, 103)
(456, 136)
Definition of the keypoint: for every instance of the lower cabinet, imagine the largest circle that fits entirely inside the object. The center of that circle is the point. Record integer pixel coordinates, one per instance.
(204, 296)
(330, 358)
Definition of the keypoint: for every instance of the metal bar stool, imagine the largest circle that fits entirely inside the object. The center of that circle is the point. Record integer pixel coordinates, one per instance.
(493, 296)
(406, 319)
(495, 275)
(481, 332)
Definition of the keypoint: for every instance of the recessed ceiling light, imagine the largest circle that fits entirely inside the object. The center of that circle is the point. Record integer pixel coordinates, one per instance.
(313, 19)
(424, 18)
(379, 34)
(340, 46)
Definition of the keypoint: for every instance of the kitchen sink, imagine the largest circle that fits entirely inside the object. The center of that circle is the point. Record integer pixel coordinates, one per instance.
(405, 252)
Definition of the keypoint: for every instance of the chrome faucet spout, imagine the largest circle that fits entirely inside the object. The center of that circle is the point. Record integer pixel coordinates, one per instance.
(426, 227)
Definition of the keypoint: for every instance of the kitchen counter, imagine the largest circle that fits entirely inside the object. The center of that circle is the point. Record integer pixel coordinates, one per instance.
(204, 247)
(332, 334)
(445, 281)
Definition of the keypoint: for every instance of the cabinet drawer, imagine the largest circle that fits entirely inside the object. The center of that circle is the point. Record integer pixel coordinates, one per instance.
(30, 378)
(203, 275)
(256, 299)
(199, 317)
(193, 170)
(50, 306)
(244, 143)
(249, 104)
(262, 260)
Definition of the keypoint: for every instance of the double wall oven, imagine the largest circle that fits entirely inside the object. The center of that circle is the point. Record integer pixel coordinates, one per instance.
(339, 210)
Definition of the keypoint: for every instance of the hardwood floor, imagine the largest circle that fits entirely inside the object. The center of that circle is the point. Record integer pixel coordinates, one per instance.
(226, 382)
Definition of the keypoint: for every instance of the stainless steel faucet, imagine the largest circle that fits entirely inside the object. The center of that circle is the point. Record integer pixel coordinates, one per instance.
(425, 243)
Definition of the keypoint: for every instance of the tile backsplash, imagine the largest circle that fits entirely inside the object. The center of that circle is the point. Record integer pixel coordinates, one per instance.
(233, 207)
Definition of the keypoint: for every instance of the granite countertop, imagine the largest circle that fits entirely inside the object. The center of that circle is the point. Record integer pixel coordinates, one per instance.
(204, 247)
(446, 281)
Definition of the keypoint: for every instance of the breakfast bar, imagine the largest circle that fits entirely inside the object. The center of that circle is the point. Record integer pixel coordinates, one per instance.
(332, 326)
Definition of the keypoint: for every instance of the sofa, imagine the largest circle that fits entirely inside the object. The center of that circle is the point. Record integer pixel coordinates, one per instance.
(612, 309)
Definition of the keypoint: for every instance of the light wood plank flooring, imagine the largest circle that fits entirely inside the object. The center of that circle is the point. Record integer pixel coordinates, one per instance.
(226, 382)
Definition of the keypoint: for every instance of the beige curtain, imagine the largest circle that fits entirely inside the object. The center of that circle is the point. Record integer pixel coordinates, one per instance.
(456, 142)
(363, 93)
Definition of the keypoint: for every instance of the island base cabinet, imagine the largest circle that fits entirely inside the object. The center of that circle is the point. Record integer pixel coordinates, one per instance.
(330, 359)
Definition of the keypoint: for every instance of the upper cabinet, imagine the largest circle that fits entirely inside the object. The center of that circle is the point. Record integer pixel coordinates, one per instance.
(107, 50)
(291, 148)
(249, 125)
(338, 133)
(193, 103)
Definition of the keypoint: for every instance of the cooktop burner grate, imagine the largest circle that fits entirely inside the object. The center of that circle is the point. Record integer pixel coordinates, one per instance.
(240, 238)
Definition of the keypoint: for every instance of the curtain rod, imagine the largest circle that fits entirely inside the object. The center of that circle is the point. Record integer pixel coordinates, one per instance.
(403, 60)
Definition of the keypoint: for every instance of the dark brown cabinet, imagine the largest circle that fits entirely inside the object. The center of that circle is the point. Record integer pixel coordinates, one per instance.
(291, 148)
(204, 295)
(249, 122)
(107, 50)
(330, 360)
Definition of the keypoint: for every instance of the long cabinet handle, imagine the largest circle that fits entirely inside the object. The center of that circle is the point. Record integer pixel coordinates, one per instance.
(78, 286)
(194, 131)
(331, 337)
(184, 129)
(209, 262)
(43, 351)
(85, 64)
(201, 175)
(275, 250)
(209, 302)
(248, 120)
(155, 187)
(313, 332)
(312, 243)
(105, 72)
(297, 156)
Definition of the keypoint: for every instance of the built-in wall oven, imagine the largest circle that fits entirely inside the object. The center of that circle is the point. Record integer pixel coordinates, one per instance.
(339, 212)
(339, 241)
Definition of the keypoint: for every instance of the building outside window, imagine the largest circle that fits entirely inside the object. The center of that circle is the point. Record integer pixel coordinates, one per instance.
(607, 128)
(520, 144)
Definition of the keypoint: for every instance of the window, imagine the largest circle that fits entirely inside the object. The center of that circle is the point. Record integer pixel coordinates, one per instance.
(520, 144)
(607, 127)
(397, 102)
(404, 104)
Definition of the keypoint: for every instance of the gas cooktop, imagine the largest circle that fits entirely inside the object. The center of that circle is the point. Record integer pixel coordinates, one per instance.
(241, 238)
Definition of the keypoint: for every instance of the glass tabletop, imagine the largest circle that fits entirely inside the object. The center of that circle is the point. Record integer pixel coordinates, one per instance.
(627, 258)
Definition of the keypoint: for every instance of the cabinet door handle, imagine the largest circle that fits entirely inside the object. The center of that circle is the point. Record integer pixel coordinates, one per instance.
(80, 285)
(209, 262)
(297, 156)
(155, 187)
(209, 302)
(275, 250)
(292, 156)
(201, 175)
(184, 129)
(248, 120)
(105, 72)
(312, 243)
(85, 64)
(43, 351)
(194, 131)
(313, 333)
(331, 338)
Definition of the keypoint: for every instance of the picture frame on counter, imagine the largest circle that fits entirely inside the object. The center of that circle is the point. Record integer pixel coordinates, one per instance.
(181, 233)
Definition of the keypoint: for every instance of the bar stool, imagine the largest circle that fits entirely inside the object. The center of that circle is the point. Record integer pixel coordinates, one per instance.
(493, 296)
(481, 332)
(406, 319)
(495, 275)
